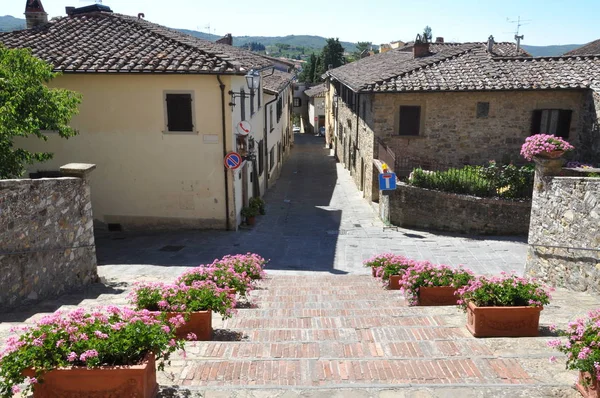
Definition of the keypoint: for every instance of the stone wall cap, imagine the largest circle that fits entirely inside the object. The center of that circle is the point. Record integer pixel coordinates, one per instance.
(79, 169)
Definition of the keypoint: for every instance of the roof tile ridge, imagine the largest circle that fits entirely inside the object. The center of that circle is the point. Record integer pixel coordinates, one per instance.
(174, 36)
(442, 57)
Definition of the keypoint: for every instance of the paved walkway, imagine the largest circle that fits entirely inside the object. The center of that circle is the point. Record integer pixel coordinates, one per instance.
(316, 220)
(321, 327)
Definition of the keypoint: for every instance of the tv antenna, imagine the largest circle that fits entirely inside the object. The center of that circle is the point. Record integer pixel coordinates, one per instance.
(207, 27)
(520, 22)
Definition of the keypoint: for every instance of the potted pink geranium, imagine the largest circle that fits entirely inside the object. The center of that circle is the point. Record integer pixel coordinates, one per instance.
(427, 284)
(545, 146)
(110, 351)
(582, 348)
(503, 306)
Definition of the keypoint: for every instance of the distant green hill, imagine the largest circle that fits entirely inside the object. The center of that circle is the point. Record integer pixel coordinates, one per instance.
(8, 23)
(550, 51)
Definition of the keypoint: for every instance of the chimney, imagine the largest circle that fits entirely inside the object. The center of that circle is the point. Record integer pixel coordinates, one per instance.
(490, 44)
(439, 40)
(35, 14)
(69, 10)
(227, 39)
(420, 49)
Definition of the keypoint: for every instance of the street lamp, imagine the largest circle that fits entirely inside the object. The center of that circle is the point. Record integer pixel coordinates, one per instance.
(253, 83)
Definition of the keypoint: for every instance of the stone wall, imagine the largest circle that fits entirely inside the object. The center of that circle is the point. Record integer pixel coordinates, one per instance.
(46, 237)
(451, 132)
(414, 207)
(353, 137)
(564, 235)
(587, 149)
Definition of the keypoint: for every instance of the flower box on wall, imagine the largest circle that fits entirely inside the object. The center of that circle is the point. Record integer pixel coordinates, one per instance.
(503, 321)
(199, 323)
(439, 295)
(104, 381)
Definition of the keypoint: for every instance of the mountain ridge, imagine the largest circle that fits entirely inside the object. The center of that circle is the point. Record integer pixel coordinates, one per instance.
(9, 23)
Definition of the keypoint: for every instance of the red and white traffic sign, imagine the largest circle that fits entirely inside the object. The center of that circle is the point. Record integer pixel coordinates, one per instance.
(233, 160)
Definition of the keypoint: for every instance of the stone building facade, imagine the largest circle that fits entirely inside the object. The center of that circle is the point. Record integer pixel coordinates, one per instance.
(46, 237)
(564, 233)
(462, 104)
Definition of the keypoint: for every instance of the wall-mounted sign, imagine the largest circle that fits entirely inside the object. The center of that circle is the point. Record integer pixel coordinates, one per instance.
(233, 160)
(243, 128)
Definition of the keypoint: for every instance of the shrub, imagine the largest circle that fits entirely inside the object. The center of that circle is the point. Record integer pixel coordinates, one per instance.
(109, 336)
(425, 274)
(507, 181)
(258, 204)
(179, 297)
(583, 345)
(507, 290)
(388, 264)
(249, 212)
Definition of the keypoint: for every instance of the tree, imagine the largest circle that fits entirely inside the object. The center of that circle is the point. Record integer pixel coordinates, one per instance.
(28, 105)
(427, 35)
(333, 54)
(360, 47)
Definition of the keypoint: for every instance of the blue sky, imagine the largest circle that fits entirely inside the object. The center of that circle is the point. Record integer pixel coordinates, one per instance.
(379, 21)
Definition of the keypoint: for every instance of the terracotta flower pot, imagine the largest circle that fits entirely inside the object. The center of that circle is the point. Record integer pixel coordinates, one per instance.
(394, 282)
(438, 295)
(250, 220)
(551, 155)
(199, 323)
(503, 321)
(105, 381)
(591, 389)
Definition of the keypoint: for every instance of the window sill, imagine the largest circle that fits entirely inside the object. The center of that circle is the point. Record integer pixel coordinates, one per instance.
(410, 137)
(180, 132)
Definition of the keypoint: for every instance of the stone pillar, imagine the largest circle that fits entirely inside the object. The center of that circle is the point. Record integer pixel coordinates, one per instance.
(545, 169)
(80, 170)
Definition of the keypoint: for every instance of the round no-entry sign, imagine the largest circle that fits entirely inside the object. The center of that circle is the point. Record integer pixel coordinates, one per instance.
(233, 160)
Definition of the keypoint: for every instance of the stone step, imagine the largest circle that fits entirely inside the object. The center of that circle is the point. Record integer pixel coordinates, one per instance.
(364, 390)
(332, 373)
(330, 322)
(381, 334)
(335, 350)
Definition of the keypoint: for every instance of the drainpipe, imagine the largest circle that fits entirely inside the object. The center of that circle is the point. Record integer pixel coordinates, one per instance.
(266, 160)
(226, 172)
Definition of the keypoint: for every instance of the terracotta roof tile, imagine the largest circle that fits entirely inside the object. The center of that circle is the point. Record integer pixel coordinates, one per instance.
(467, 67)
(316, 91)
(590, 48)
(276, 82)
(105, 42)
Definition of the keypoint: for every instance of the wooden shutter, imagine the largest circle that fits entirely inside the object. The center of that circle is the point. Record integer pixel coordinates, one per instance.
(179, 112)
(536, 121)
(564, 123)
(410, 120)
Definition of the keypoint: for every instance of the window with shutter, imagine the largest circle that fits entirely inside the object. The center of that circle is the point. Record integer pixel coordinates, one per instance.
(261, 157)
(551, 121)
(179, 112)
(271, 158)
(410, 120)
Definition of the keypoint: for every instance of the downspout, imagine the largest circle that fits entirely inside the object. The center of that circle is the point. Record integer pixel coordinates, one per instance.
(225, 171)
(357, 120)
(266, 160)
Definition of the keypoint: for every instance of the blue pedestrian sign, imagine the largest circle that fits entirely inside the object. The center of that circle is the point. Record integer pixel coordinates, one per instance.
(233, 160)
(387, 181)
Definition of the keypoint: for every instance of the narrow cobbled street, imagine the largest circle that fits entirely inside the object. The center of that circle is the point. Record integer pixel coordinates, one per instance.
(320, 325)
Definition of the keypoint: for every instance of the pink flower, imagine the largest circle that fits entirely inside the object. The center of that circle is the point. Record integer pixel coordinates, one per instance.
(72, 357)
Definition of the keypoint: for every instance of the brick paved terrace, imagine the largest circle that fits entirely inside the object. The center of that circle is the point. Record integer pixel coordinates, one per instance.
(317, 335)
